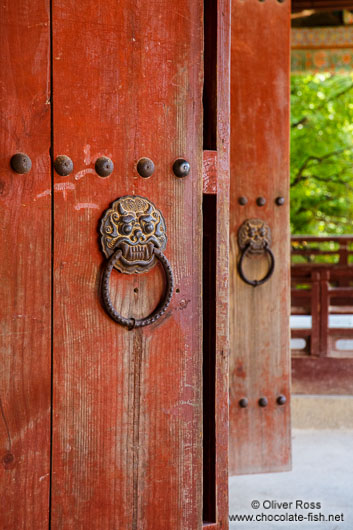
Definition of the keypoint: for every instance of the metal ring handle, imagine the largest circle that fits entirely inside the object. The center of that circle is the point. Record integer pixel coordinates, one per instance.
(269, 273)
(131, 323)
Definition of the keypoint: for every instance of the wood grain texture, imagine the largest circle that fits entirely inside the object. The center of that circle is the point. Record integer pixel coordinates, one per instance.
(259, 317)
(222, 260)
(127, 432)
(25, 265)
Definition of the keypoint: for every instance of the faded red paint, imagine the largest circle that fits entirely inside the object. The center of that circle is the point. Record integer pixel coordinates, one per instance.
(210, 172)
(222, 262)
(259, 317)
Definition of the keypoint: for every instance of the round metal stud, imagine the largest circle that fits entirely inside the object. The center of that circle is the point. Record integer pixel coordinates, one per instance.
(263, 402)
(243, 403)
(145, 167)
(281, 400)
(63, 165)
(104, 166)
(261, 201)
(181, 168)
(243, 201)
(280, 201)
(21, 163)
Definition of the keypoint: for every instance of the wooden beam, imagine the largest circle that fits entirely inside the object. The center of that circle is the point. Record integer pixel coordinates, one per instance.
(322, 375)
(321, 5)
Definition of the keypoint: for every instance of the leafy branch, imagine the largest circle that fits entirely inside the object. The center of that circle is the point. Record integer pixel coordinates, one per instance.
(319, 159)
(303, 121)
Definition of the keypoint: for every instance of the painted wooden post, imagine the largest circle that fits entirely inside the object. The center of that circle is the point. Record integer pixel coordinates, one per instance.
(324, 312)
(315, 313)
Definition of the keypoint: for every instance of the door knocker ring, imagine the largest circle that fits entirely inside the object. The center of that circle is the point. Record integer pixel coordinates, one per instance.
(133, 239)
(254, 237)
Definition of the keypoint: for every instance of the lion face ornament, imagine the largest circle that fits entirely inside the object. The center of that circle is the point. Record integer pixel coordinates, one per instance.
(134, 225)
(254, 238)
(254, 234)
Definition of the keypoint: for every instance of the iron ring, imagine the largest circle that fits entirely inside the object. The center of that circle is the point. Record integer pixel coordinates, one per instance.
(269, 273)
(161, 308)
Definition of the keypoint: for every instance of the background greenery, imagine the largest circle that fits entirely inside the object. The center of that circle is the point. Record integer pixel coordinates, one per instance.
(322, 154)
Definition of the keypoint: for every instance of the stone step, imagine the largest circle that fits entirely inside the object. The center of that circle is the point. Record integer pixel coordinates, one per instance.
(322, 412)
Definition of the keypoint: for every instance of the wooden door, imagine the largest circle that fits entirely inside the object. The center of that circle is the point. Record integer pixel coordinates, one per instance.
(103, 426)
(259, 315)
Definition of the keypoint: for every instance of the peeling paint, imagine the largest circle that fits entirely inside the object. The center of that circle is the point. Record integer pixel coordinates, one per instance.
(43, 194)
(64, 186)
(87, 153)
(61, 186)
(84, 205)
(84, 172)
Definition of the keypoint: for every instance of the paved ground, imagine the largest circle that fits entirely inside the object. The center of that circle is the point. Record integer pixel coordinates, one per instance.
(322, 412)
(322, 473)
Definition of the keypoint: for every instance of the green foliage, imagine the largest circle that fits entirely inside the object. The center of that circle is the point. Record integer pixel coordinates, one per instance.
(322, 154)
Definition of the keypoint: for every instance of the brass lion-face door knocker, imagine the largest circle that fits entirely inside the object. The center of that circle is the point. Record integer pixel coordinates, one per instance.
(133, 240)
(254, 238)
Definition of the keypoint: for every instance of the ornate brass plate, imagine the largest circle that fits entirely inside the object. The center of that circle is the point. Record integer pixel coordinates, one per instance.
(254, 234)
(137, 227)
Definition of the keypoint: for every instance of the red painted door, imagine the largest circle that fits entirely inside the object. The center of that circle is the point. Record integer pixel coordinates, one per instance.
(259, 314)
(120, 411)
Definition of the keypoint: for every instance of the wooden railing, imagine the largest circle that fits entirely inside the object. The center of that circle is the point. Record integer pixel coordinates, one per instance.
(322, 285)
(324, 249)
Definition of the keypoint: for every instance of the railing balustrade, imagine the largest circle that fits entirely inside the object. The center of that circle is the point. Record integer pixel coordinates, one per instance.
(322, 286)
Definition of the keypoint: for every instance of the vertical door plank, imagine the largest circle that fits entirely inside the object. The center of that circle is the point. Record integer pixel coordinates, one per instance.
(222, 261)
(25, 264)
(127, 431)
(259, 317)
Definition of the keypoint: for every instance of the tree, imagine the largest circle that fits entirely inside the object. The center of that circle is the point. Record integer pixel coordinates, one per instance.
(322, 154)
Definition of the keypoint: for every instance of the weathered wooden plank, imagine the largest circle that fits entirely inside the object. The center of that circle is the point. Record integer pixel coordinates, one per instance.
(127, 444)
(216, 99)
(25, 265)
(259, 316)
(222, 260)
